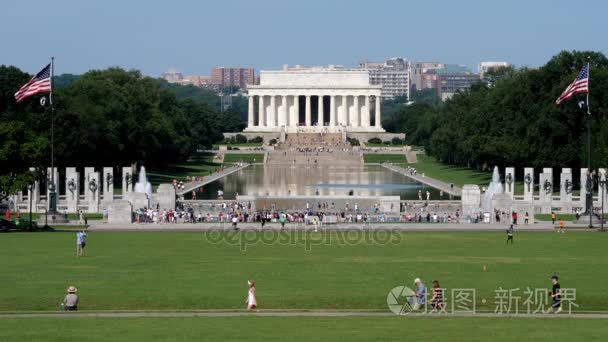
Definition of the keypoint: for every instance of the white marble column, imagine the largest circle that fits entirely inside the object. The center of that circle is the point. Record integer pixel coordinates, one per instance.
(320, 112)
(332, 110)
(365, 113)
(357, 117)
(343, 117)
(308, 112)
(296, 111)
(250, 112)
(272, 115)
(283, 112)
(34, 195)
(377, 123)
(261, 114)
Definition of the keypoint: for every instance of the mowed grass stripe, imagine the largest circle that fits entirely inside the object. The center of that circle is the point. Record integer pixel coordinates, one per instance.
(165, 271)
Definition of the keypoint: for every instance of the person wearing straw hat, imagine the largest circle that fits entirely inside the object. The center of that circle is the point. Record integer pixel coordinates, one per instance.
(251, 302)
(70, 301)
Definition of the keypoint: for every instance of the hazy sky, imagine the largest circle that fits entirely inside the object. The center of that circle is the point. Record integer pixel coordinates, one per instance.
(195, 35)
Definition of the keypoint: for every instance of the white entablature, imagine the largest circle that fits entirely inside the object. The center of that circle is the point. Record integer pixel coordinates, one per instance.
(314, 100)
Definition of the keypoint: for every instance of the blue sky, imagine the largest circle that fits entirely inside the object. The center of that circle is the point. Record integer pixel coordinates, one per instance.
(194, 36)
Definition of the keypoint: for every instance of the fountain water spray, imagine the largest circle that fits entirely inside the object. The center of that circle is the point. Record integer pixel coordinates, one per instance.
(143, 186)
(495, 187)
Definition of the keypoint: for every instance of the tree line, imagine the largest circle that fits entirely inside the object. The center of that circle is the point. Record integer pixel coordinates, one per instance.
(110, 117)
(513, 120)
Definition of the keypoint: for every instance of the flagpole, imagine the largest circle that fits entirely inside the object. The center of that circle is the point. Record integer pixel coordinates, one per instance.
(52, 191)
(589, 171)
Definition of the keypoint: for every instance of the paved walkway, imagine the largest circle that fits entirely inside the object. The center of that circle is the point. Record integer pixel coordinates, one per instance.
(190, 186)
(288, 313)
(437, 184)
(448, 227)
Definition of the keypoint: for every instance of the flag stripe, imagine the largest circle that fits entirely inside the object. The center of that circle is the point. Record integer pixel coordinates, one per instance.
(41, 83)
(579, 86)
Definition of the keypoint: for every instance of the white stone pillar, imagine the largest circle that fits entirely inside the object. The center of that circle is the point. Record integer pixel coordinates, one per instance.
(356, 120)
(365, 113)
(272, 115)
(72, 189)
(108, 184)
(529, 184)
(55, 180)
(343, 117)
(296, 111)
(283, 113)
(583, 191)
(545, 190)
(565, 190)
(510, 181)
(92, 188)
(320, 120)
(34, 194)
(250, 112)
(378, 118)
(308, 111)
(332, 110)
(127, 177)
(261, 113)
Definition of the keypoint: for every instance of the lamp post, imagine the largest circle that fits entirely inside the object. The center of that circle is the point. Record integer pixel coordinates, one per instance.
(30, 187)
(602, 183)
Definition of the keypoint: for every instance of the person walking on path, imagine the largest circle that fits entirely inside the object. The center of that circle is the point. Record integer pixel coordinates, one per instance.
(250, 301)
(70, 301)
(561, 226)
(553, 217)
(510, 232)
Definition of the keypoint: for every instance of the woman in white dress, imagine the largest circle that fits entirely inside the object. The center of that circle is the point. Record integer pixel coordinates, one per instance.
(251, 302)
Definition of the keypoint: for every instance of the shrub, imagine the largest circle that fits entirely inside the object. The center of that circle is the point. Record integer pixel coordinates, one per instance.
(353, 141)
(397, 141)
(240, 139)
(375, 141)
(256, 140)
(272, 141)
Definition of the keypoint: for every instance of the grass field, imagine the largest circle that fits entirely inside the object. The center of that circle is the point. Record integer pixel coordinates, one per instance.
(200, 164)
(301, 329)
(160, 270)
(384, 158)
(230, 158)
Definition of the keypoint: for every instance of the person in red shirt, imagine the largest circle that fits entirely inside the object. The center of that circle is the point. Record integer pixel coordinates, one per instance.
(514, 217)
(7, 215)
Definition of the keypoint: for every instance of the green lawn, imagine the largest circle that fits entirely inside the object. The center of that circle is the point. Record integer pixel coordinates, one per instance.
(300, 329)
(230, 158)
(547, 217)
(199, 165)
(449, 173)
(187, 270)
(216, 146)
(384, 158)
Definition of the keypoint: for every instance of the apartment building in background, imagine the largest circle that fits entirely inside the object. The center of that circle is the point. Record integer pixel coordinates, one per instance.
(393, 75)
(232, 77)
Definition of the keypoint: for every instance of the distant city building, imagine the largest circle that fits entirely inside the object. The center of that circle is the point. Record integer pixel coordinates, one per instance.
(424, 75)
(485, 67)
(454, 78)
(393, 75)
(172, 76)
(232, 77)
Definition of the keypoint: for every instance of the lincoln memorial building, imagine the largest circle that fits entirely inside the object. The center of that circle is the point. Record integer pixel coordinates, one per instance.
(314, 100)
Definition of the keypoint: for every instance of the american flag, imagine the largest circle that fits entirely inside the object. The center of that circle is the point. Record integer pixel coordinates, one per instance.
(579, 86)
(41, 83)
